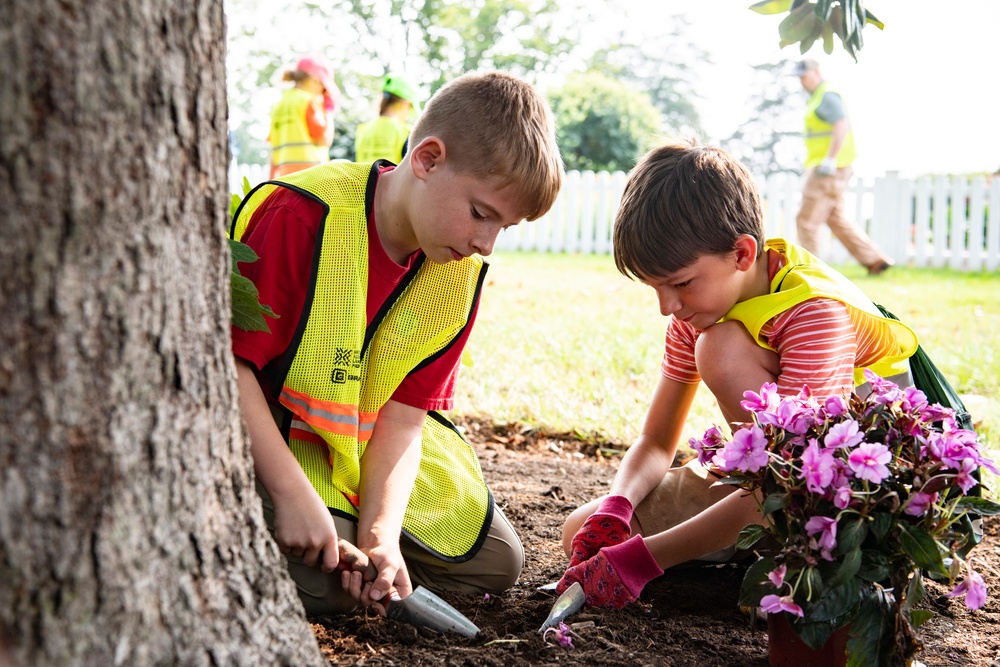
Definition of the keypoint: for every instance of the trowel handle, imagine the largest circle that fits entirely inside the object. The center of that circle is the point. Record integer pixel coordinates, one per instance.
(353, 559)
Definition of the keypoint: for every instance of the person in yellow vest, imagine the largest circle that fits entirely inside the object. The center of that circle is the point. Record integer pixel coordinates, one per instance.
(302, 120)
(385, 137)
(744, 311)
(830, 152)
(375, 272)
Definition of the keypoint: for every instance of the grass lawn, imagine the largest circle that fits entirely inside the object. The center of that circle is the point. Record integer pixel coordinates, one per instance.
(564, 343)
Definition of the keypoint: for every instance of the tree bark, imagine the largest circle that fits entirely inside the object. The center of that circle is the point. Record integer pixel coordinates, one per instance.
(130, 531)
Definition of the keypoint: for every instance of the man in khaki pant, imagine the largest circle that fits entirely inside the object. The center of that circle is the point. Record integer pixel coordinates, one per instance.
(829, 154)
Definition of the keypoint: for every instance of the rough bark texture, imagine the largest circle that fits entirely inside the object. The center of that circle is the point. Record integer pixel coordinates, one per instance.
(130, 533)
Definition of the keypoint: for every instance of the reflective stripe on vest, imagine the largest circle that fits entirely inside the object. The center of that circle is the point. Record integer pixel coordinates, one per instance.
(290, 140)
(343, 372)
(819, 133)
(805, 277)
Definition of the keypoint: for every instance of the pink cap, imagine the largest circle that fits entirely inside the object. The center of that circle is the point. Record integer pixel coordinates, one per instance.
(316, 67)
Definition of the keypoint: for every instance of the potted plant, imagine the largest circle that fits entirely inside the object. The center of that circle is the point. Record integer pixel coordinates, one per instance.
(862, 497)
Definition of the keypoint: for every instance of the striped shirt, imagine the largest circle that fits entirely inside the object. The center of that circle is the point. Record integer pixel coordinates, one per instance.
(819, 342)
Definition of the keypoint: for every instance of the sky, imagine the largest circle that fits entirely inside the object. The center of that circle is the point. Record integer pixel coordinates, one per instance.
(924, 96)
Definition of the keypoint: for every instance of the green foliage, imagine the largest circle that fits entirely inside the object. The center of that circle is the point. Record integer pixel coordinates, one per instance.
(812, 20)
(602, 124)
(769, 141)
(247, 311)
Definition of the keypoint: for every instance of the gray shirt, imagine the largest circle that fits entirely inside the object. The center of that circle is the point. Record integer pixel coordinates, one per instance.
(831, 108)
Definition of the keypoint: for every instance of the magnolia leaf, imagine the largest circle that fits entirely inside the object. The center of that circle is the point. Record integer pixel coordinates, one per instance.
(750, 535)
(870, 18)
(755, 582)
(980, 506)
(248, 312)
(922, 548)
(771, 6)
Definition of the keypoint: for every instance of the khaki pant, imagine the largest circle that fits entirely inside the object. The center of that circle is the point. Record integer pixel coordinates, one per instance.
(823, 203)
(493, 569)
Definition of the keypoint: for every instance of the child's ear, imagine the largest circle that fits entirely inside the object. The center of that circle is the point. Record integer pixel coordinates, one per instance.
(745, 251)
(427, 156)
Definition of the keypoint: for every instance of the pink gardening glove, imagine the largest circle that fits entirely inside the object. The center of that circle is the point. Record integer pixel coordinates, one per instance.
(615, 576)
(604, 528)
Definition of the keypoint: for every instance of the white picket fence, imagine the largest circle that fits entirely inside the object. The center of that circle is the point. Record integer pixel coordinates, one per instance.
(946, 221)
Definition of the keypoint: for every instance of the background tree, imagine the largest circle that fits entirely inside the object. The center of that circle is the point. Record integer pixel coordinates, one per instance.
(769, 141)
(602, 124)
(130, 532)
(661, 63)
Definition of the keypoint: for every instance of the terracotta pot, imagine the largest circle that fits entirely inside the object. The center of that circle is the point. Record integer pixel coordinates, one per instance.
(785, 649)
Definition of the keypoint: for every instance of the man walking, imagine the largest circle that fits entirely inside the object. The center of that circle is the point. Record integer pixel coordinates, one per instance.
(829, 154)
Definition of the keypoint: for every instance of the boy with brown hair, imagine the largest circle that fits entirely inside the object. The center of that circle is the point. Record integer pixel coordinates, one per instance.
(744, 311)
(375, 273)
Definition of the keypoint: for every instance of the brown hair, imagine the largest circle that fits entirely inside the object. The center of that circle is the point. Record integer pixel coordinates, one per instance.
(494, 124)
(681, 202)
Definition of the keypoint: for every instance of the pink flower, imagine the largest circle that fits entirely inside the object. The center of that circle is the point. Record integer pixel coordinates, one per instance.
(842, 496)
(835, 406)
(704, 447)
(974, 589)
(746, 452)
(818, 467)
(777, 575)
(827, 529)
(774, 604)
(868, 462)
(920, 502)
(964, 477)
(766, 400)
(843, 434)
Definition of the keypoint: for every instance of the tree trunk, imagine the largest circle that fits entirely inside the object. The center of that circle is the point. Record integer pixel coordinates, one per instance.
(130, 532)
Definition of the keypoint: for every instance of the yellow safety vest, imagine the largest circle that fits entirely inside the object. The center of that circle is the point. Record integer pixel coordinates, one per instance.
(805, 277)
(343, 371)
(381, 139)
(819, 133)
(290, 140)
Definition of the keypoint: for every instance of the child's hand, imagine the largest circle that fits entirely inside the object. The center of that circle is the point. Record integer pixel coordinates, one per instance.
(608, 526)
(392, 578)
(615, 576)
(303, 528)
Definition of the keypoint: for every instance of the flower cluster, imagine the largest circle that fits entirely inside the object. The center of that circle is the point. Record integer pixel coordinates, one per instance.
(859, 497)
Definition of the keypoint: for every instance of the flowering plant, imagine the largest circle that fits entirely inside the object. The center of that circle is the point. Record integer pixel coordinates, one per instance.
(862, 497)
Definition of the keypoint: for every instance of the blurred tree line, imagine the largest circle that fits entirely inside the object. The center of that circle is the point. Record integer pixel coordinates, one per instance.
(616, 103)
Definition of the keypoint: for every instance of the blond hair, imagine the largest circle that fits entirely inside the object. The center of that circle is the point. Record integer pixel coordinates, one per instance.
(494, 124)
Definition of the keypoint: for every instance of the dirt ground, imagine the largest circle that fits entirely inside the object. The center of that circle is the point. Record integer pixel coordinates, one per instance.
(687, 617)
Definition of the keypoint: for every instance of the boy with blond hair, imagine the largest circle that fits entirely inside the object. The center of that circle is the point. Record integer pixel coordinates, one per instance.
(744, 311)
(375, 273)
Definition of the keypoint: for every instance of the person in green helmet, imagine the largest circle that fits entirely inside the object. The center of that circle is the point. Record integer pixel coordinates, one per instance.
(385, 137)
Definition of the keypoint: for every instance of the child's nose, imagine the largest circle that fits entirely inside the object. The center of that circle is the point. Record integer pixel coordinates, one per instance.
(483, 244)
(668, 302)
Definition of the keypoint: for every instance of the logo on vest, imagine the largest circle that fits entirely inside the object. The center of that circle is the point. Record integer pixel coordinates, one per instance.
(346, 360)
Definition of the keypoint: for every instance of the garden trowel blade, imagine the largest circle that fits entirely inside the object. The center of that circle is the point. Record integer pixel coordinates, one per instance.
(424, 609)
(567, 604)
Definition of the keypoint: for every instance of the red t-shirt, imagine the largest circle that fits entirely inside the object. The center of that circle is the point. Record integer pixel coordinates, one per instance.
(283, 233)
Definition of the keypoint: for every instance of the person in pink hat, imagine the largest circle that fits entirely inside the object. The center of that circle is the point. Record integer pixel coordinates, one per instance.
(302, 120)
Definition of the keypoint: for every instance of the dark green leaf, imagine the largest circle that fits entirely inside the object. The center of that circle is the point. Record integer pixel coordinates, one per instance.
(837, 603)
(241, 253)
(874, 566)
(851, 532)
(755, 582)
(880, 525)
(980, 506)
(870, 642)
(920, 616)
(922, 548)
(248, 313)
(750, 535)
(915, 592)
(850, 563)
(775, 502)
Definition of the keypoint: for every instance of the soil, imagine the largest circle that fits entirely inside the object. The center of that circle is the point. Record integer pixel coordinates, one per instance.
(686, 617)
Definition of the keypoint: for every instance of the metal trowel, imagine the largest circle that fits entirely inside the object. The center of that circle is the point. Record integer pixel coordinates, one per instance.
(420, 608)
(424, 609)
(567, 604)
